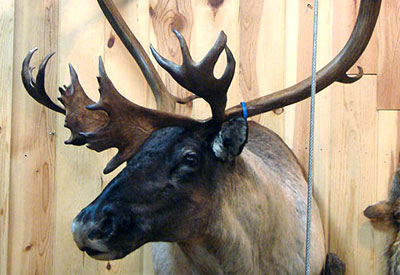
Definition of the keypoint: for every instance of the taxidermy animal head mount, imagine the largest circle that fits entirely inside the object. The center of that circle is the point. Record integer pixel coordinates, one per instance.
(172, 161)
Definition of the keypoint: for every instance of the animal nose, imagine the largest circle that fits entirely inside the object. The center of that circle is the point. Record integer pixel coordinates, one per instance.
(92, 227)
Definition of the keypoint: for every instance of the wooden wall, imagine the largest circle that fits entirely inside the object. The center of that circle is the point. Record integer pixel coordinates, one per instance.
(44, 184)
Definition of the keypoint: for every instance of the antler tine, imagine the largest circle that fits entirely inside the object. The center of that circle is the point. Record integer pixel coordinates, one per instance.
(186, 56)
(171, 67)
(334, 71)
(199, 77)
(213, 54)
(36, 88)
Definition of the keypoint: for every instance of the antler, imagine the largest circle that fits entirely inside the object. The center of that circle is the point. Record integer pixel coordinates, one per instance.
(113, 121)
(334, 71)
(116, 122)
(199, 77)
(36, 88)
(165, 101)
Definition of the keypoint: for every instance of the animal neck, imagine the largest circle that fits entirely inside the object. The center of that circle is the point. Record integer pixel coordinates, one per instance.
(231, 244)
(393, 252)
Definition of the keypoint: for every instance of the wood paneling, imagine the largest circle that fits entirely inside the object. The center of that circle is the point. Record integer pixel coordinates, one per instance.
(388, 159)
(353, 173)
(262, 55)
(389, 56)
(79, 175)
(211, 17)
(301, 119)
(356, 146)
(6, 84)
(166, 16)
(344, 17)
(31, 221)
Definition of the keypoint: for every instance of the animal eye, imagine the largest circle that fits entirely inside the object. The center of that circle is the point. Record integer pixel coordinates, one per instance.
(191, 159)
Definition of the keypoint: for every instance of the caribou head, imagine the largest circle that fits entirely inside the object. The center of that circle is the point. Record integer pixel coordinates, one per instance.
(178, 169)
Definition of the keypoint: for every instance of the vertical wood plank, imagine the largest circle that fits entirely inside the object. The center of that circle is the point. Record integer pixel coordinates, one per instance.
(301, 118)
(344, 17)
(291, 43)
(353, 173)
(262, 47)
(165, 16)
(78, 170)
(81, 42)
(121, 67)
(352, 164)
(31, 221)
(304, 61)
(389, 55)
(388, 159)
(211, 17)
(6, 85)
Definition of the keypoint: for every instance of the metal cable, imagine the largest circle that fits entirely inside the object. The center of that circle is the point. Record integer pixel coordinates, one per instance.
(311, 144)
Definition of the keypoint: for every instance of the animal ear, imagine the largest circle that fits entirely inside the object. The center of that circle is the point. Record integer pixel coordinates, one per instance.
(394, 192)
(230, 140)
(379, 211)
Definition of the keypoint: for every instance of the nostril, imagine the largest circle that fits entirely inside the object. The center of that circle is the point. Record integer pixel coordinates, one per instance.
(107, 226)
(103, 230)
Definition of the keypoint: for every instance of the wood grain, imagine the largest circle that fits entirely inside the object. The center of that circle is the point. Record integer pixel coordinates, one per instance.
(389, 56)
(210, 18)
(353, 173)
(6, 85)
(121, 67)
(31, 222)
(356, 147)
(388, 159)
(250, 25)
(165, 16)
(344, 17)
(301, 117)
(79, 170)
(262, 55)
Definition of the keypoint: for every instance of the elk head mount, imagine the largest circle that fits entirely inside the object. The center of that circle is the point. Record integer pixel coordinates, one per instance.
(175, 164)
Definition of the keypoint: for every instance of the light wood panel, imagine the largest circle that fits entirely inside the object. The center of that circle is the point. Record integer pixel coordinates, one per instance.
(388, 159)
(79, 170)
(166, 16)
(301, 118)
(304, 62)
(262, 55)
(31, 221)
(353, 173)
(389, 55)
(271, 40)
(344, 17)
(6, 85)
(211, 17)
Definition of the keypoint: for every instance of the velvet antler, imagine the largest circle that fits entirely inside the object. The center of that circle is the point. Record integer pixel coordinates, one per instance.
(113, 121)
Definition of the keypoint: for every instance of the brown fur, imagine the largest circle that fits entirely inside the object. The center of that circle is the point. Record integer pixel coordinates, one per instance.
(259, 222)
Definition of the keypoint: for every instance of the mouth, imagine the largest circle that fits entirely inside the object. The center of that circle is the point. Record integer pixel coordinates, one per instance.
(103, 255)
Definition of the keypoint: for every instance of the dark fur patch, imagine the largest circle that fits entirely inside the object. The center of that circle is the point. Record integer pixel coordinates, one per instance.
(334, 265)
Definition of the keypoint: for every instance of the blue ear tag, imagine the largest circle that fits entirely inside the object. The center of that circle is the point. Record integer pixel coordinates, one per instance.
(244, 110)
